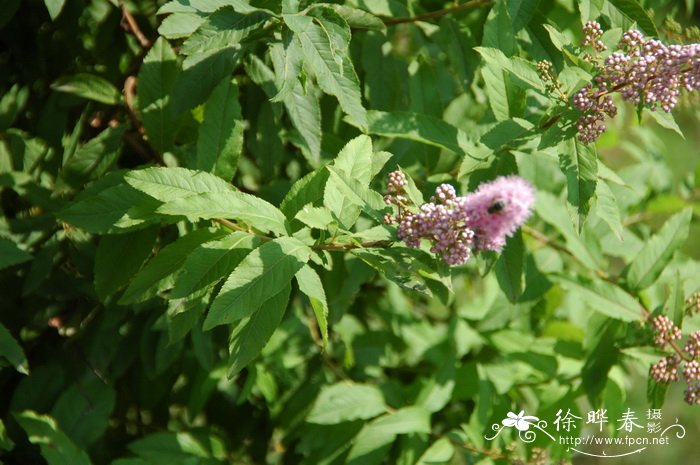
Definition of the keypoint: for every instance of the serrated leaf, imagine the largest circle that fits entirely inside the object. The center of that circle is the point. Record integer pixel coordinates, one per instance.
(119, 257)
(156, 81)
(224, 28)
(509, 268)
(88, 86)
(523, 71)
(605, 298)
(607, 208)
(307, 190)
(333, 69)
(262, 274)
(357, 18)
(233, 205)
(55, 446)
(95, 158)
(111, 209)
(180, 25)
(346, 401)
(11, 351)
(418, 127)
(658, 251)
(160, 272)
(166, 184)
(579, 163)
(311, 285)
(315, 217)
(251, 334)
(11, 254)
(201, 73)
(220, 138)
(212, 261)
(666, 120)
(355, 162)
(636, 13)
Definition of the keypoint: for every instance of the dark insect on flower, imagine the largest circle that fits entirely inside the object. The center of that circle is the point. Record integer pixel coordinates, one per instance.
(496, 207)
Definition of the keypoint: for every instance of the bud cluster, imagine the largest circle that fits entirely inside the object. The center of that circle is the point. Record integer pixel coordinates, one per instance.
(692, 304)
(456, 227)
(685, 361)
(592, 34)
(643, 71)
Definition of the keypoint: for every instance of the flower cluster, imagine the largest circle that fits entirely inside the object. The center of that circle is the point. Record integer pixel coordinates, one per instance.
(458, 226)
(685, 361)
(643, 71)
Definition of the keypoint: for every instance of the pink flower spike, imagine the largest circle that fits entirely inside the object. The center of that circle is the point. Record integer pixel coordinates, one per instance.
(497, 209)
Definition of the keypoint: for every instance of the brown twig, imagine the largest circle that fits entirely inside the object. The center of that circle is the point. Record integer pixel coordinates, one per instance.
(132, 26)
(436, 14)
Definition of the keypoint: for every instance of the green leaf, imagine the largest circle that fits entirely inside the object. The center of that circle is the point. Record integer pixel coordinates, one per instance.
(237, 205)
(83, 410)
(286, 60)
(220, 139)
(160, 272)
(552, 210)
(372, 442)
(311, 285)
(212, 261)
(509, 268)
(674, 307)
(521, 12)
(170, 448)
(346, 401)
(315, 217)
(253, 332)
(355, 162)
(166, 184)
(607, 208)
(658, 251)
(636, 13)
(156, 82)
(224, 28)
(421, 128)
(111, 208)
(440, 452)
(95, 158)
(604, 298)
(119, 257)
(88, 86)
(6, 443)
(55, 446)
(665, 120)
(201, 73)
(358, 19)
(579, 163)
(55, 7)
(11, 255)
(352, 196)
(180, 25)
(333, 68)
(262, 274)
(307, 190)
(12, 102)
(522, 70)
(12, 351)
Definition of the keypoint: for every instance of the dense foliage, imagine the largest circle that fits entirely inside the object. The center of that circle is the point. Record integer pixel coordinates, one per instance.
(198, 263)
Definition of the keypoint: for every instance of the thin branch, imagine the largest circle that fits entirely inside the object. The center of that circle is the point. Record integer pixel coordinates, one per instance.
(437, 14)
(133, 26)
